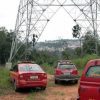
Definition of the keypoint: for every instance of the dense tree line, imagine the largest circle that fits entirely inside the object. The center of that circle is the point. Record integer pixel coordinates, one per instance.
(38, 56)
(41, 57)
(5, 44)
(89, 42)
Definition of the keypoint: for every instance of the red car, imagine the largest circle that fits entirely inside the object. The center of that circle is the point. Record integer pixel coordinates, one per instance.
(89, 88)
(27, 74)
(66, 71)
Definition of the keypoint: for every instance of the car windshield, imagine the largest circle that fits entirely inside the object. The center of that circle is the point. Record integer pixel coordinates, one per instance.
(63, 66)
(29, 67)
(93, 71)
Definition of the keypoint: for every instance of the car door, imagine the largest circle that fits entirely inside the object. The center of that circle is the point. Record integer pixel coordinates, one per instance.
(90, 84)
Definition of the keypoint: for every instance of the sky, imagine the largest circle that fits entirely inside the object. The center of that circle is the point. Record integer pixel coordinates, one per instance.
(8, 13)
(59, 27)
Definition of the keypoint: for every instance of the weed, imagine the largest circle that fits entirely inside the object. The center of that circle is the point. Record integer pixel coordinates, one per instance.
(49, 69)
(5, 85)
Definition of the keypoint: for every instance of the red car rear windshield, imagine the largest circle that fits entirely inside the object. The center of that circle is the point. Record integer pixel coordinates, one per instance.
(93, 71)
(63, 66)
(29, 67)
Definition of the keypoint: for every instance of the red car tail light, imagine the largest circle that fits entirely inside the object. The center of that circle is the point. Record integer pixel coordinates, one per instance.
(74, 72)
(44, 75)
(21, 76)
(58, 72)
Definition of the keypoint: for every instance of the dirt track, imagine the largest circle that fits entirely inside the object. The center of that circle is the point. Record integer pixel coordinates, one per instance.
(63, 91)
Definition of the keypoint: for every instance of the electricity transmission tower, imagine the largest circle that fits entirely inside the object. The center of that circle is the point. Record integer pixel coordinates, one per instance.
(34, 15)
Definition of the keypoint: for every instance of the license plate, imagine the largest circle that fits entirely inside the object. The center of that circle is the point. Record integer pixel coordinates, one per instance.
(33, 77)
(67, 73)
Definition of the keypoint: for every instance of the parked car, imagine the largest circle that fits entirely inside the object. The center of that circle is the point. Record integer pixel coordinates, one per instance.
(66, 71)
(89, 87)
(28, 74)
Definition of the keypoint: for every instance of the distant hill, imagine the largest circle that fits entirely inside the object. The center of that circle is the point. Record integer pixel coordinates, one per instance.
(58, 45)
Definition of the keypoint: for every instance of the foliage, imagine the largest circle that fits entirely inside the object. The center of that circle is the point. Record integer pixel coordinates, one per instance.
(49, 69)
(5, 44)
(81, 62)
(68, 53)
(42, 57)
(76, 31)
(78, 51)
(89, 43)
(5, 85)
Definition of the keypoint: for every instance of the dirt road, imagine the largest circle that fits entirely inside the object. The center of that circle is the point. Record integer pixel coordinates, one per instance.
(63, 91)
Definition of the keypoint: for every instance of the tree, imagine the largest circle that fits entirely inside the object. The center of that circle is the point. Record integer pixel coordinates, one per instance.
(5, 45)
(89, 43)
(78, 51)
(76, 31)
(68, 53)
(76, 34)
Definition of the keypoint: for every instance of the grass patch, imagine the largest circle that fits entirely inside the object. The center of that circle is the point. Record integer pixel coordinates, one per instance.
(31, 96)
(80, 70)
(5, 85)
(49, 69)
(81, 62)
(36, 95)
(51, 84)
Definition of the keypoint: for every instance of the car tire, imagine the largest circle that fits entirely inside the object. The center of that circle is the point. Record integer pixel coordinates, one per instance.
(76, 81)
(15, 86)
(43, 88)
(56, 81)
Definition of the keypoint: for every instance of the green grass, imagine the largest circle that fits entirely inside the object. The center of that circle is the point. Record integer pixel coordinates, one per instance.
(36, 95)
(81, 62)
(49, 69)
(31, 96)
(80, 70)
(5, 85)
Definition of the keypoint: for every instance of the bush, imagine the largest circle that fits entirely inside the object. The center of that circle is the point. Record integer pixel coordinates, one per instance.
(5, 85)
(81, 62)
(47, 68)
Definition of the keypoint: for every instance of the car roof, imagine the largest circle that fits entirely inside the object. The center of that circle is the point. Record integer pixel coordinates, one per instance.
(94, 60)
(90, 63)
(19, 62)
(65, 62)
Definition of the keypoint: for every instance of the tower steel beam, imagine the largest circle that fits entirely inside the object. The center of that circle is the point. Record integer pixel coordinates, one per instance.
(34, 15)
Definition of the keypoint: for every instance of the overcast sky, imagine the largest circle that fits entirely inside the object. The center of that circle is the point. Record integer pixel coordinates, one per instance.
(60, 26)
(8, 12)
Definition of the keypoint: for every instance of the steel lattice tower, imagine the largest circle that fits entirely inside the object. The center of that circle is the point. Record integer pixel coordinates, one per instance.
(34, 15)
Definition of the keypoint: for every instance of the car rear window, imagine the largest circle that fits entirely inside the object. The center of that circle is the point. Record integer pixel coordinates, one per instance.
(63, 66)
(93, 71)
(29, 67)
